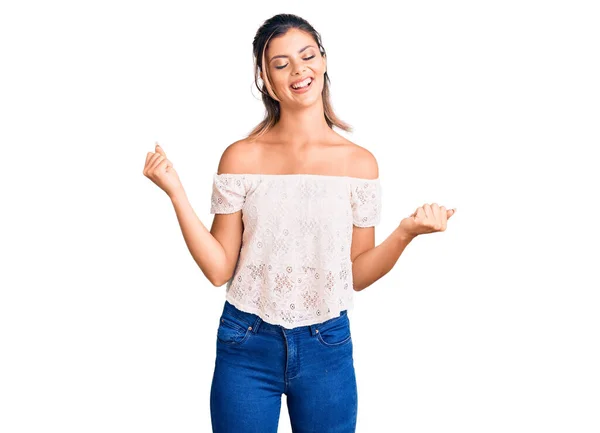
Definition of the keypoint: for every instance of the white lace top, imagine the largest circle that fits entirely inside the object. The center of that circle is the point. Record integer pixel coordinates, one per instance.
(294, 266)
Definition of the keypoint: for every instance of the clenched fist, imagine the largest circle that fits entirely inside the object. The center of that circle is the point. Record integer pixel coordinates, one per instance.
(426, 219)
(160, 171)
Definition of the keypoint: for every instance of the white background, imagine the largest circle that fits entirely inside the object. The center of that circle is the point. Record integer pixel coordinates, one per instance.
(108, 325)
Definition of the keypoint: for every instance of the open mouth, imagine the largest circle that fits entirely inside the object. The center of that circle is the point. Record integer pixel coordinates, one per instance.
(303, 87)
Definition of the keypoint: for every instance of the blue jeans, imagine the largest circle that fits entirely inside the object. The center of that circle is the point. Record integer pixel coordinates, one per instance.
(258, 361)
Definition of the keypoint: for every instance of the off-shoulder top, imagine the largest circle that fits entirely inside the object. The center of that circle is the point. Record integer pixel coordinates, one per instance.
(294, 267)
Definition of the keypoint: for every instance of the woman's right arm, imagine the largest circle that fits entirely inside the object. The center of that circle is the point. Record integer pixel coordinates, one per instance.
(205, 248)
(216, 251)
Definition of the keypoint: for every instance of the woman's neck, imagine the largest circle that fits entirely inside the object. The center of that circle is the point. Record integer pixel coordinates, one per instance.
(303, 126)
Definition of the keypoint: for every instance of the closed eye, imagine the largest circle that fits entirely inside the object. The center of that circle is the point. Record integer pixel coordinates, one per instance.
(281, 67)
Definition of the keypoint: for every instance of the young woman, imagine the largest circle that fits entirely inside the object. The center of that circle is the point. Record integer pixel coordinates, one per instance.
(295, 207)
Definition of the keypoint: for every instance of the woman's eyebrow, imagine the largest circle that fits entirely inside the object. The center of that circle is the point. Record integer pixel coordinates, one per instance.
(282, 55)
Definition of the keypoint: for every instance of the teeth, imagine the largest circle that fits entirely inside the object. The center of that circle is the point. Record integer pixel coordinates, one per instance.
(302, 83)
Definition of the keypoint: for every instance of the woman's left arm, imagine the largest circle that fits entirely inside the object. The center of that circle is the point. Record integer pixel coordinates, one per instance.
(374, 263)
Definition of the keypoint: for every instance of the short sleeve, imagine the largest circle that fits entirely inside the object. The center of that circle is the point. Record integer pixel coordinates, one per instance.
(228, 193)
(366, 202)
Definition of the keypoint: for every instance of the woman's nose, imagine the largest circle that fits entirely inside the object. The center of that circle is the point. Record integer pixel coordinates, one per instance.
(298, 69)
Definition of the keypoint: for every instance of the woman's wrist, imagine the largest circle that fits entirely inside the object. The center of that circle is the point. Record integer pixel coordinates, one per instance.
(178, 196)
(402, 236)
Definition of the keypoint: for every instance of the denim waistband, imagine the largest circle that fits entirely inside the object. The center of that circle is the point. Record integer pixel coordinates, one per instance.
(256, 322)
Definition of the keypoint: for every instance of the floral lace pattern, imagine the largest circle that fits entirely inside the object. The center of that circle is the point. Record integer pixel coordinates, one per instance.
(294, 266)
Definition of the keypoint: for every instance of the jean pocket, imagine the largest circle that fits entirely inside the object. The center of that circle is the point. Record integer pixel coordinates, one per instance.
(232, 331)
(335, 333)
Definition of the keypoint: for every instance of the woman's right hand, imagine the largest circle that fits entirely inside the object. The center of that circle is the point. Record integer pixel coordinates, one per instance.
(160, 171)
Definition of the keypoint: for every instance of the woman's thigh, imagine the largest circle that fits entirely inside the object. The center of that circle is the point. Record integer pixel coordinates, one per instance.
(322, 397)
(248, 381)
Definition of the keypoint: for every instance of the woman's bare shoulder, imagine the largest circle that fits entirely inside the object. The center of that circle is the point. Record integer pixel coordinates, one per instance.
(237, 157)
(363, 163)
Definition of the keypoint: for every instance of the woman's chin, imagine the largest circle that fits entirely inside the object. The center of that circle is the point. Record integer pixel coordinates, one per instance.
(305, 100)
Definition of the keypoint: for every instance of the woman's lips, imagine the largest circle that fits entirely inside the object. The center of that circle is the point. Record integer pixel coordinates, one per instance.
(303, 89)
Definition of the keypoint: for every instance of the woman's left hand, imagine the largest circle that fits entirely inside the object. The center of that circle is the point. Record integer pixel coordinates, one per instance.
(426, 219)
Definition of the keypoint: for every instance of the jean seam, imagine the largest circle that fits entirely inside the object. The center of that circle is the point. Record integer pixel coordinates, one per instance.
(345, 341)
(237, 328)
(241, 319)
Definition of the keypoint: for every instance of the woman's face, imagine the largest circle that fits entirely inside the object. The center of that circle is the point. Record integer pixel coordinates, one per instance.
(292, 58)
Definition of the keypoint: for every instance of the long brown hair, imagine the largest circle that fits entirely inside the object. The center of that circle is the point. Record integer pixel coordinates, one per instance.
(273, 27)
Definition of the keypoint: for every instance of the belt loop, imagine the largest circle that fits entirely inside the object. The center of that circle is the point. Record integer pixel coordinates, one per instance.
(256, 325)
(313, 329)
